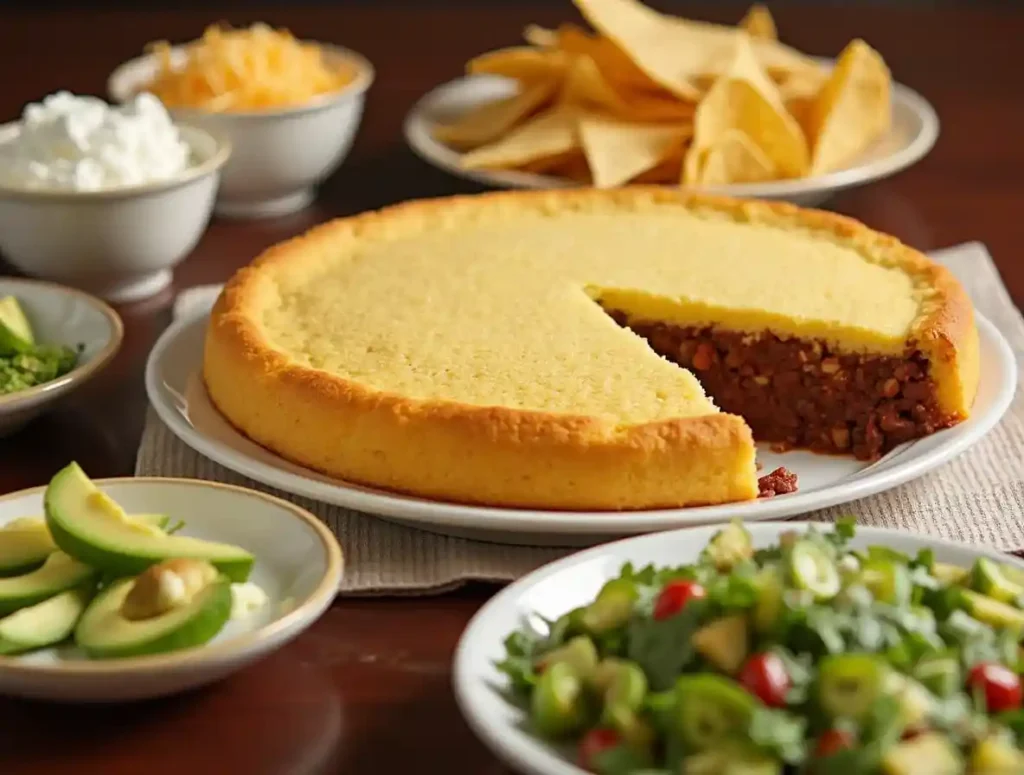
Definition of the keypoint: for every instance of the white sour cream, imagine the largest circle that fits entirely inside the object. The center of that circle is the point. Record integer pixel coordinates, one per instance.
(72, 143)
(245, 599)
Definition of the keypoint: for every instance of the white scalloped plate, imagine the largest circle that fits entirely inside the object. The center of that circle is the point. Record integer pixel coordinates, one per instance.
(175, 389)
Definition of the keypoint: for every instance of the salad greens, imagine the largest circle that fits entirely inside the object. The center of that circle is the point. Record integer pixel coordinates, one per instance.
(806, 657)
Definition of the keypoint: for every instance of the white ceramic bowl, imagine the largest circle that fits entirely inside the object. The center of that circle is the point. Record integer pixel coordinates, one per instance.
(563, 585)
(59, 315)
(298, 564)
(119, 243)
(279, 156)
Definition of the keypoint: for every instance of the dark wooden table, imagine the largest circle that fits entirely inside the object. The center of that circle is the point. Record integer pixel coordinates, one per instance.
(367, 689)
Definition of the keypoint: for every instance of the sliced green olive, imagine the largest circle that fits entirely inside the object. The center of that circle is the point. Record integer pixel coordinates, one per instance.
(558, 704)
(850, 684)
(612, 608)
(710, 709)
(812, 569)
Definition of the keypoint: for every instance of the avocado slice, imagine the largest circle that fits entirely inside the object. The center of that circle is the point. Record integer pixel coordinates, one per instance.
(991, 611)
(44, 624)
(104, 632)
(723, 643)
(730, 546)
(580, 654)
(25, 543)
(988, 578)
(58, 573)
(15, 332)
(933, 753)
(768, 607)
(996, 755)
(950, 574)
(87, 524)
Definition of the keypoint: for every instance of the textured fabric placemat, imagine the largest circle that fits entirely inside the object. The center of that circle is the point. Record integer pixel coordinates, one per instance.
(977, 498)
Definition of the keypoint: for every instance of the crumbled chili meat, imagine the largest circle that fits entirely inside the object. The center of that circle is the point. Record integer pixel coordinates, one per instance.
(797, 393)
(779, 482)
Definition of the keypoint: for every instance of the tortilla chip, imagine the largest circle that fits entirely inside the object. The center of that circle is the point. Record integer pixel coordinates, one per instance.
(758, 23)
(618, 151)
(586, 86)
(546, 135)
(525, 64)
(746, 99)
(852, 109)
(617, 68)
(489, 121)
(799, 92)
(735, 158)
(667, 171)
(571, 166)
(673, 51)
(541, 37)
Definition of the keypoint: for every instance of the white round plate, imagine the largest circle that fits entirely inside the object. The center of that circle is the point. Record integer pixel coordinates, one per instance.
(915, 128)
(574, 581)
(298, 565)
(175, 388)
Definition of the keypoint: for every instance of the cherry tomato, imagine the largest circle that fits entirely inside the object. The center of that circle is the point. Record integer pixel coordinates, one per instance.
(674, 597)
(1000, 685)
(596, 742)
(833, 741)
(764, 675)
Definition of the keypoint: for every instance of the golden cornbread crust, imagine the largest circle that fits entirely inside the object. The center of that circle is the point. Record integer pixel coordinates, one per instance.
(511, 457)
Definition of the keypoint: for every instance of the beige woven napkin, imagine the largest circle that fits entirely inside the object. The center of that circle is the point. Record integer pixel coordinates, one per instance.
(977, 498)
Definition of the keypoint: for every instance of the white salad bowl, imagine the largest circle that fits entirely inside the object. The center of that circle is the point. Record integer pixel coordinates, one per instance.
(118, 243)
(59, 316)
(298, 564)
(279, 155)
(555, 589)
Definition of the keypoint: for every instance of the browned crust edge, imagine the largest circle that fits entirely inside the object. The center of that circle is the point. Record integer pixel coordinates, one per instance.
(508, 457)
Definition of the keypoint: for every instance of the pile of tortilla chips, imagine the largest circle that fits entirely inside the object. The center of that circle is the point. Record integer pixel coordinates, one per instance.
(659, 99)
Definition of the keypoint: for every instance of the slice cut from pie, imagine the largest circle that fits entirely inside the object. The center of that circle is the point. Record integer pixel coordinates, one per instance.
(587, 349)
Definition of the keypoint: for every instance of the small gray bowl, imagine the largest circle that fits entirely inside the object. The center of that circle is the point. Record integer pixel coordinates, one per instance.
(66, 316)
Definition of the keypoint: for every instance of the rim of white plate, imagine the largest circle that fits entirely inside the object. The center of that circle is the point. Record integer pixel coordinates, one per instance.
(529, 754)
(438, 514)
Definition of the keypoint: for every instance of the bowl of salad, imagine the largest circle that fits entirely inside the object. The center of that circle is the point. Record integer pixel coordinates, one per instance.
(52, 340)
(769, 649)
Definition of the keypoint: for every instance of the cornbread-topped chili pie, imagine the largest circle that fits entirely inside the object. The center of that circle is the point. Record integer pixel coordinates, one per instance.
(587, 349)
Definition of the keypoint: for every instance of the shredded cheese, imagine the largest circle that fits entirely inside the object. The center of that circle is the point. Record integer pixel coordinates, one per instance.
(246, 69)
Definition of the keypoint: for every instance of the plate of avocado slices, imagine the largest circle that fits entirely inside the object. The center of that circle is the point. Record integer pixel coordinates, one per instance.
(769, 649)
(173, 582)
(52, 339)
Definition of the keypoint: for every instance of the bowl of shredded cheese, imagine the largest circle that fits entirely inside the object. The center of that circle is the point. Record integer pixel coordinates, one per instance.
(291, 108)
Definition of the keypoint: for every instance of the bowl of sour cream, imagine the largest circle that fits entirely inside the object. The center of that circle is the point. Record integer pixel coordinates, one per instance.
(105, 198)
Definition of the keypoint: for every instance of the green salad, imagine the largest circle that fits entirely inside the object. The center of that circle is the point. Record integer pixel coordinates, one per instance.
(23, 362)
(806, 657)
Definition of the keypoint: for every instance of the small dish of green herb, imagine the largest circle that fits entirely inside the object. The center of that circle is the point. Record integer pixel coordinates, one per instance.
(51, 339)
(772, 649)
(24, 362)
